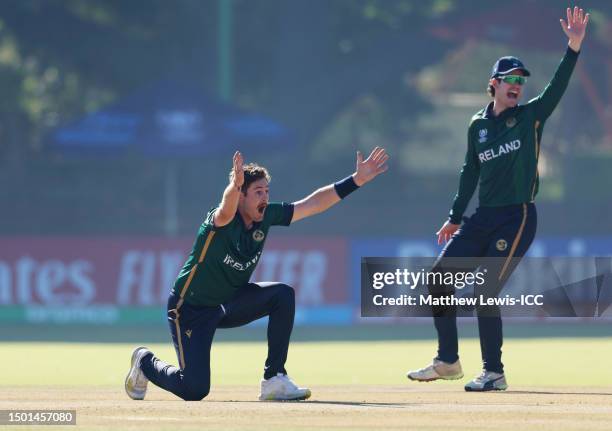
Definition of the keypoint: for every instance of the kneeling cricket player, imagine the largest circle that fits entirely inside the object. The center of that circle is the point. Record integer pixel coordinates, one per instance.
(213, 289)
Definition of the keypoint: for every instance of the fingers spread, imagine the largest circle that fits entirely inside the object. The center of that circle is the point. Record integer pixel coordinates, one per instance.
(381, 169)
(374, 153)
(383, 159)
(376, 158)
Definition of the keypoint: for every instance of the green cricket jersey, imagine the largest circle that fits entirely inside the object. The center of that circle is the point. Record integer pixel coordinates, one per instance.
(502, 153)
(223, 258)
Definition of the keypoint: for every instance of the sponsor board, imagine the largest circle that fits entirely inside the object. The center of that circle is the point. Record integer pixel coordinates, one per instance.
(106, 280)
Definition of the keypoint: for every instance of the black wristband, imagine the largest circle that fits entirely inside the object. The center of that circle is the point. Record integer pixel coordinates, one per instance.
(454, 220)
(345, 187)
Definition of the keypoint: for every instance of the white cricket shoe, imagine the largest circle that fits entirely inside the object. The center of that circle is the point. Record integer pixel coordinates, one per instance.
(487, 381)
(282, 388)
(437, 370)
(136, 381)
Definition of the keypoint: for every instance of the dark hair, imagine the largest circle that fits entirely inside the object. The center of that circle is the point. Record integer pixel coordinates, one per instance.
(252, 173)
(491, 89)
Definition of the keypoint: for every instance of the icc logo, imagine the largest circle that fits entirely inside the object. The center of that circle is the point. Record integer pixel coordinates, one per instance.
(511, 122)
(258, 235)
(483, 135)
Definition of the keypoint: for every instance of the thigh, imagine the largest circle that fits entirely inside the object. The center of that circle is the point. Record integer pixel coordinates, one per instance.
(510, 242)
(254, 301)
(193, 330)
(462, 253)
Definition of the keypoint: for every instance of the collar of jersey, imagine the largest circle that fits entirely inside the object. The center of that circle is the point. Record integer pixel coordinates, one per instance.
(487, 112)
(256, 224)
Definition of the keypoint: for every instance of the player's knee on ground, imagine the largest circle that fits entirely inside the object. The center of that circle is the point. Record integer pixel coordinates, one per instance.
(198, 386)
(197, 393)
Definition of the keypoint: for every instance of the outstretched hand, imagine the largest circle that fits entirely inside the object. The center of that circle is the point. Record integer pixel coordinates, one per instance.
(371, 167)
(575, 27)
(237, 171)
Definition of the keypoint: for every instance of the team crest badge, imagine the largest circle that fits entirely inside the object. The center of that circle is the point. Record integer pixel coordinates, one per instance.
(482, 133)
(511, 122)
(501, 244)
(258, 235)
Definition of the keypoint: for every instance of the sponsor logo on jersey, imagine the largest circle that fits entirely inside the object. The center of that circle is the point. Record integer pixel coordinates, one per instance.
(501, 244)
(511, 122)
(482, 133)
(188, 333)
(506, 148)
(241, 266)
(258, 235)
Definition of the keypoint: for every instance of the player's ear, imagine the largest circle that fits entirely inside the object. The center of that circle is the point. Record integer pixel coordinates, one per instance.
(243, 192)
(494, 82)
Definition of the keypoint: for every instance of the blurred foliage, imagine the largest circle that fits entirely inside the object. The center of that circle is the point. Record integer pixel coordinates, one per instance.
(62, 58)
(303, 63)
(343, 74)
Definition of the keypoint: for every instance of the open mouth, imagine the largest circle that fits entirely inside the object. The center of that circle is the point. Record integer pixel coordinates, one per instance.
(513, 94)
(261, 208)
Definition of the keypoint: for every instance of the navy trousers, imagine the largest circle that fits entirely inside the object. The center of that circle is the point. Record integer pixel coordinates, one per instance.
(499, 236)
(193, 329)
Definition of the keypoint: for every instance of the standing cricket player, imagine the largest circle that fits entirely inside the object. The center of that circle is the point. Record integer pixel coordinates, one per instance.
(213, 289)
(502, 157)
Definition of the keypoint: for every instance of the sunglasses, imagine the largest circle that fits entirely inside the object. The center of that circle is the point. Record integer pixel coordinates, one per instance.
(513, 79)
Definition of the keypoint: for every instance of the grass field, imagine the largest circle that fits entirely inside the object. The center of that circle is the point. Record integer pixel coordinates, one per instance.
(557, 382)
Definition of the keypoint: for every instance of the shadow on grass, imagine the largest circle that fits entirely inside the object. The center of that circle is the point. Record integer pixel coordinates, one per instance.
(324, 402)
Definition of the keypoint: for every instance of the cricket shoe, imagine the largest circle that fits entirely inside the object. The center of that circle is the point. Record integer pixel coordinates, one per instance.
(282, 388)
(136, 381)
(487, 381)
(437, 370)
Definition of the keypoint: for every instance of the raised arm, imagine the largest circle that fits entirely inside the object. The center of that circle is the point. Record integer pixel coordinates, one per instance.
(231, 195)
(575, 29)
(327, 196)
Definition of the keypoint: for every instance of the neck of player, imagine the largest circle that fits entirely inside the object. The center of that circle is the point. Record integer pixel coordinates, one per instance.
(498, 108)
(248, 221)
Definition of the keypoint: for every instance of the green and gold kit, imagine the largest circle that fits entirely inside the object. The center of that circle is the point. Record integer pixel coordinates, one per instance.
(503, 151)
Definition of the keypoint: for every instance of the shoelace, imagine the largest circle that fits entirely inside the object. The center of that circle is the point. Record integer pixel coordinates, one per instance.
(431, 366)
(482, 376)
